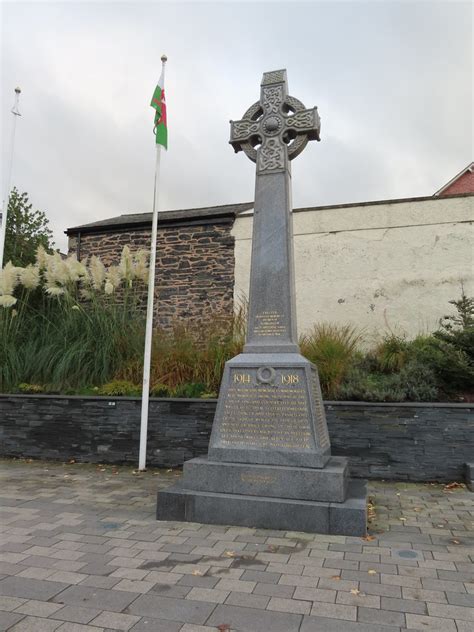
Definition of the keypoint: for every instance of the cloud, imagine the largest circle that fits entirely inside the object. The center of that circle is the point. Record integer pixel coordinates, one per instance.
(392, 82)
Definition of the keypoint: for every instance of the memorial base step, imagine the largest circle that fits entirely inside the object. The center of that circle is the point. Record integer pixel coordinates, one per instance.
(328, 484)
(178, 503)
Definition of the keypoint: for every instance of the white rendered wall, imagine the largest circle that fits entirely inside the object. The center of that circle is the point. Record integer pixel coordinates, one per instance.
(385, 266)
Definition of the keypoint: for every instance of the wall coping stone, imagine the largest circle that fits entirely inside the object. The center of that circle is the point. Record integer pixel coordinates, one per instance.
(143, 220)
(456, 405)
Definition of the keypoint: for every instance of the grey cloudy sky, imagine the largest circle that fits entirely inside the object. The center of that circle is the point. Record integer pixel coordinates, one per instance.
(392, 80)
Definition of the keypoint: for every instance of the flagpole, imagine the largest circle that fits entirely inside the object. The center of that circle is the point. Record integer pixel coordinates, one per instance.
(149, 309)
(3, 226)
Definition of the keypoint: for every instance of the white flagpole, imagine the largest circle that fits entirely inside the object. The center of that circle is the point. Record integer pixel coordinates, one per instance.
(149, 309)
(3, 226)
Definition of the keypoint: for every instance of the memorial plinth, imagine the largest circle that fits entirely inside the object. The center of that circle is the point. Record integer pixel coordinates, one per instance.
(269, 463)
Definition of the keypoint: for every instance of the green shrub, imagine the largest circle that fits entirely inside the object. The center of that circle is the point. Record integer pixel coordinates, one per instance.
(119, 388)
(31, 388)
(190, 390)
(392, 353)
(418, 382)
(159, 390)
(332, 349)
(452, 367)
(68, 325)
(414, 382)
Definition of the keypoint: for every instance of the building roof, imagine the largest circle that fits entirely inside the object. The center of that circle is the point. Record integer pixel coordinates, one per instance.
(212, 214)
(467, 170)
(140, 220)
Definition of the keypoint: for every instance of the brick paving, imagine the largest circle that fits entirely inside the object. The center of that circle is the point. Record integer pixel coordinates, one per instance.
(81, 552)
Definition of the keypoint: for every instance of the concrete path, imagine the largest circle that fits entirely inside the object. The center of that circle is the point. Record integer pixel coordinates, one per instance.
(81, 552)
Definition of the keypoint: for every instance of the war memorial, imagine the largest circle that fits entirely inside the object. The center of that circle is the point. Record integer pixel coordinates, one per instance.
(269, 463)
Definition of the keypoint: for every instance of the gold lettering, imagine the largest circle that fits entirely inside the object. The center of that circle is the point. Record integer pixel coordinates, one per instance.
(290, 379)
(241, 378)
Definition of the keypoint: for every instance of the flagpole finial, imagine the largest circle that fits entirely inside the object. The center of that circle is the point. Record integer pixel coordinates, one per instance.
(164, 59)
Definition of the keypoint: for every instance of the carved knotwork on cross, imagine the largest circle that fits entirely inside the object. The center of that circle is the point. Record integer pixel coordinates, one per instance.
(275, 129)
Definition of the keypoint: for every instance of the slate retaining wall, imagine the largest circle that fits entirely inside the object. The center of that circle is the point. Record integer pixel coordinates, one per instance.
(415, 442)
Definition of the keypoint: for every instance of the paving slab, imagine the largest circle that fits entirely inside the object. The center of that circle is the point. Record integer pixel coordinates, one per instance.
(96, 532)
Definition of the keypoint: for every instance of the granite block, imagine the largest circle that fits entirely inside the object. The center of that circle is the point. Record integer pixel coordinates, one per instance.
(270, 411)
(350, 517)
(248, 511)
(346, 518)
(321, 484)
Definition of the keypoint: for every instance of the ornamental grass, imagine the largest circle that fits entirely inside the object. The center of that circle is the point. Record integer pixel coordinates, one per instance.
(63, 327)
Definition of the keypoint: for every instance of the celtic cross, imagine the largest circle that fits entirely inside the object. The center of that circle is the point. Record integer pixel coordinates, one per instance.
(272, 132)
(279, 125)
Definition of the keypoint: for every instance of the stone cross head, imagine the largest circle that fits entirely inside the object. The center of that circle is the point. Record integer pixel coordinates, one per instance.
(275, 129)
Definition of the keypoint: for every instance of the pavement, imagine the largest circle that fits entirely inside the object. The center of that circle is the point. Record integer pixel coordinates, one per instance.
(81, 551)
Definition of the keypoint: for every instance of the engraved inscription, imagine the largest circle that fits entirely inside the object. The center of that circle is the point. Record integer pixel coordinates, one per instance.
(269, 323)
(290, 379)
(321, 425)
(267, 417)
(258, 479)
(241, 378)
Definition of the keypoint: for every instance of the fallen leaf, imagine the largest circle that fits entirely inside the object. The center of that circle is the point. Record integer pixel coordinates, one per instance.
(368, 538)
(355, 591)
(455, 542)
(372, 572)
(223, 627)
(196, 572)
(230, 553)
(336, 578)
(453, 485)
(170, 470)
(403, 519)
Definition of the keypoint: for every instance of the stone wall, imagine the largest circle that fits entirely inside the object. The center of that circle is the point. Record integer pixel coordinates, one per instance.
(414, 442)
(194, 267)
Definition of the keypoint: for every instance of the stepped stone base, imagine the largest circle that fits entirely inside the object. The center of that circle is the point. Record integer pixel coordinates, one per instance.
(269, 497)
(328, 484)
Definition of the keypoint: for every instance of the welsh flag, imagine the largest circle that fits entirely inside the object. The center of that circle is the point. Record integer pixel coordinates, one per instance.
(158, 102)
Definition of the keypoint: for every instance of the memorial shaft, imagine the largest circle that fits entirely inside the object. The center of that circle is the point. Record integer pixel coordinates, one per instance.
(272, 132)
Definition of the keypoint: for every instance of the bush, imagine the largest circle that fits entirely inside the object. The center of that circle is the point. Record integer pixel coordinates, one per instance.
(191, 390)
(67, 325)
(391, 354)
(119, 388)
(30, 388)
(191, 354)
(159, 390)
(332, 349)
(452, 367)
(415, 382)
